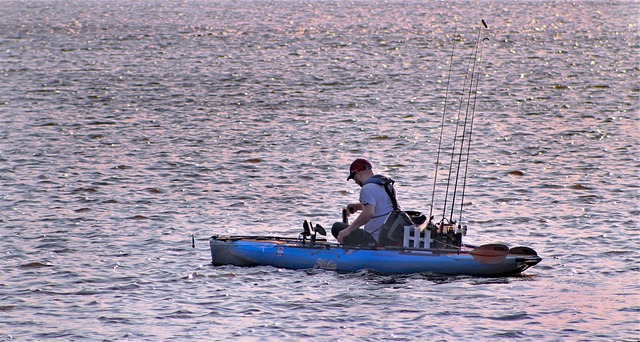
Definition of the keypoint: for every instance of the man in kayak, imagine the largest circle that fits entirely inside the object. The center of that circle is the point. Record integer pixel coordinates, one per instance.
(377, 200)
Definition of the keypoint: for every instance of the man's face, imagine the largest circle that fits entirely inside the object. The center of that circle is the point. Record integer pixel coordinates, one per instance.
(356, 178)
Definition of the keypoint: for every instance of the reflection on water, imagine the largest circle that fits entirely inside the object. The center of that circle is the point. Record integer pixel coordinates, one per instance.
(127, 127)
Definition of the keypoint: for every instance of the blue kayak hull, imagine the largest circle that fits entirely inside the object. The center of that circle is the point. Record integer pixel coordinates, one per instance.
(295, 254)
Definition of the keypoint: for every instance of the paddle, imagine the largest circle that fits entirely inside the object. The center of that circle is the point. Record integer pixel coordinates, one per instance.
(520, 250)
(493, 253)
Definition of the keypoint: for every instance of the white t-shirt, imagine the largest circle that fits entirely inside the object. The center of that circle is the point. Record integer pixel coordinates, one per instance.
(374, 194)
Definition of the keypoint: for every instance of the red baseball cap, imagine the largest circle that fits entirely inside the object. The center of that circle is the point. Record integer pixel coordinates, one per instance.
(358, 165)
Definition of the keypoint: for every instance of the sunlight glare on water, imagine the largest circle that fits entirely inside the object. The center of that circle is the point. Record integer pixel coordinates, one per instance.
(128, 126)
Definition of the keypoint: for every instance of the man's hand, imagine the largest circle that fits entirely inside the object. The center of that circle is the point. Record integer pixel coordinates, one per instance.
(343, 235)
(353, 207)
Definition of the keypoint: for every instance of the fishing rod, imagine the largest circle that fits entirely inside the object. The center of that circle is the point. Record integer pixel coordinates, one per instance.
(454, 144)
(473, 112)
(466, 118)
(444, 112)
(455, 136)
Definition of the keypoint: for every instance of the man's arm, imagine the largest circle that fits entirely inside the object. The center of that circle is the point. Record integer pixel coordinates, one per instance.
(364, 217)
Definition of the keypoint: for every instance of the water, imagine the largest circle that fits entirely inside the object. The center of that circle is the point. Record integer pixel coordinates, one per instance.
(127, 126)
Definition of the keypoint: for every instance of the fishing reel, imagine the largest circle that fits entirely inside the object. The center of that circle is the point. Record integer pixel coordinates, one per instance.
(446, 233)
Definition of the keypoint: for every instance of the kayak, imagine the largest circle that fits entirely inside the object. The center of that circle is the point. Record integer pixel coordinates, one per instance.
(406, 243)
(301, 253)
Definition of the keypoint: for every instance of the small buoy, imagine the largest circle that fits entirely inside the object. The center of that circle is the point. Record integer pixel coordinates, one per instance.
(193, 241)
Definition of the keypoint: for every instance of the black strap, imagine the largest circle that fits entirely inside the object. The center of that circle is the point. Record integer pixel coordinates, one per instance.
(394, 202)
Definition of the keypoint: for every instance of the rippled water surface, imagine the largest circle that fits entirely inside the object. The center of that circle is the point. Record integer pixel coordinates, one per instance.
(128, 126)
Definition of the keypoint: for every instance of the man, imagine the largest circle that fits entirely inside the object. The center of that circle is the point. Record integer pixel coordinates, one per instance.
(377, 200)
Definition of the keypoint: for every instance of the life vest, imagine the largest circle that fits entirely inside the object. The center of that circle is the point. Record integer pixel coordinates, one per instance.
(387, 184)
